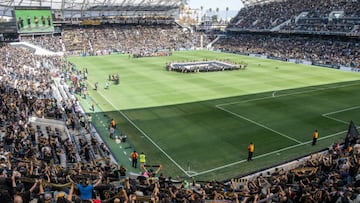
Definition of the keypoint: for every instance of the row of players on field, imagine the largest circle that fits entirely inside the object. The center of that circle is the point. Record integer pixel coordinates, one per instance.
(45, 21)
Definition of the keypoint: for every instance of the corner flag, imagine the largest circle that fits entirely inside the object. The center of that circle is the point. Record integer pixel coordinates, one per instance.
(352, 134)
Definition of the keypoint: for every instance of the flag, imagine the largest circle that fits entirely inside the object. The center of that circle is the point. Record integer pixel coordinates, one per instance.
(352, 134)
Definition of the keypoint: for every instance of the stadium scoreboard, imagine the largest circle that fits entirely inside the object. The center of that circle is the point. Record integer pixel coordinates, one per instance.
(33, 19)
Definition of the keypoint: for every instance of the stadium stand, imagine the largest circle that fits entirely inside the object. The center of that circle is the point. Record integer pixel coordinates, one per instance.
(272, 14)
(100, 40)
(325, 50)
(47, 144)
(320, 33)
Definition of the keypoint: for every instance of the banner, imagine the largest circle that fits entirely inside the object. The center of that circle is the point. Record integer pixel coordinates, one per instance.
(90, 22)
(352, 135)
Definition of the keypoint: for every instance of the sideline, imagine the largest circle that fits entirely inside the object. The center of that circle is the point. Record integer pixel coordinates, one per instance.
(143, 133)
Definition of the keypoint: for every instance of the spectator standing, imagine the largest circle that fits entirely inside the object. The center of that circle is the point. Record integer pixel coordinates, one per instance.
(86, 188)
(122, 172)
(113, 123)
(112, 132)
(315, 137)
(92, 106)
(63, 198)
(20, 192)
(251, 149)
(62, 157)
(134, 157)
(89, 119)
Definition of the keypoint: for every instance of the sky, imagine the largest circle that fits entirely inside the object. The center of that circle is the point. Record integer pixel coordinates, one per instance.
(221, 4)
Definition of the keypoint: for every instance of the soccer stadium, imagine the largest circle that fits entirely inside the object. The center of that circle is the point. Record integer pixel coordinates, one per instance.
(155, 101)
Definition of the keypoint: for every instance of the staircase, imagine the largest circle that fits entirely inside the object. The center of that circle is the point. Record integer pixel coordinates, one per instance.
(278, 27)
(214, 41)
(37, 50)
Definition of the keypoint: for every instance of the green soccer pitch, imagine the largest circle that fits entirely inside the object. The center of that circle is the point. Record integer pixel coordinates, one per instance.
(200, 124)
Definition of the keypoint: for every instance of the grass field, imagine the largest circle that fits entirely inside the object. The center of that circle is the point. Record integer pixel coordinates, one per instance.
(199, 125)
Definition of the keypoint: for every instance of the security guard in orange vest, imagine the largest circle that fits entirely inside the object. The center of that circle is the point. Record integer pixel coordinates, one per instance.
(251, 149)
(134, 156)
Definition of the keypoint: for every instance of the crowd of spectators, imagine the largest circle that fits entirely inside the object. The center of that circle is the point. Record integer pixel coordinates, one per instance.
(32, 152)
(52, 164)
(271, 14)
(106, 39)
(330, 51)
(49, 42)
(340, 26)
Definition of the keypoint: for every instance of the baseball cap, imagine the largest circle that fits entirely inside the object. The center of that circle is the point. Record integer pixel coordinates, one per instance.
(60, 194)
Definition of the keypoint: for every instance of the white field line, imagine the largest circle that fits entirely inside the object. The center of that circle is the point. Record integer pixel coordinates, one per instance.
(261, 125)
(145, 135)
(335, 119)
(342, 110)
(339, 111)
(218, 106)
(264, 155)
(283, 95)
(276, 151)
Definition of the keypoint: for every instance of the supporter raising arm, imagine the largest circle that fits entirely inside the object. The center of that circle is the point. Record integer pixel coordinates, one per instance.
(86, 187)
(20, 194)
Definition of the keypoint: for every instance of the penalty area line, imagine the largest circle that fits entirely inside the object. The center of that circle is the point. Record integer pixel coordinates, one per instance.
(342, 110)
(145, 135)
(264, 155)
(335, 119)
(326, 115)
(260, 125)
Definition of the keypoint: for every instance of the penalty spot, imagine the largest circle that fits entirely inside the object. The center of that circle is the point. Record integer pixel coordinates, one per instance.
(273, 94)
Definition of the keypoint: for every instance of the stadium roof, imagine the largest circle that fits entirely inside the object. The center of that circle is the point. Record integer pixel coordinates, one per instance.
(114, 5)
(254, 2)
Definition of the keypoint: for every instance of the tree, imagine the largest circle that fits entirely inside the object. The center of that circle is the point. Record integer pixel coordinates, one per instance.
(182, 6)
(214, 18)
(217, 14)
(208, 14)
